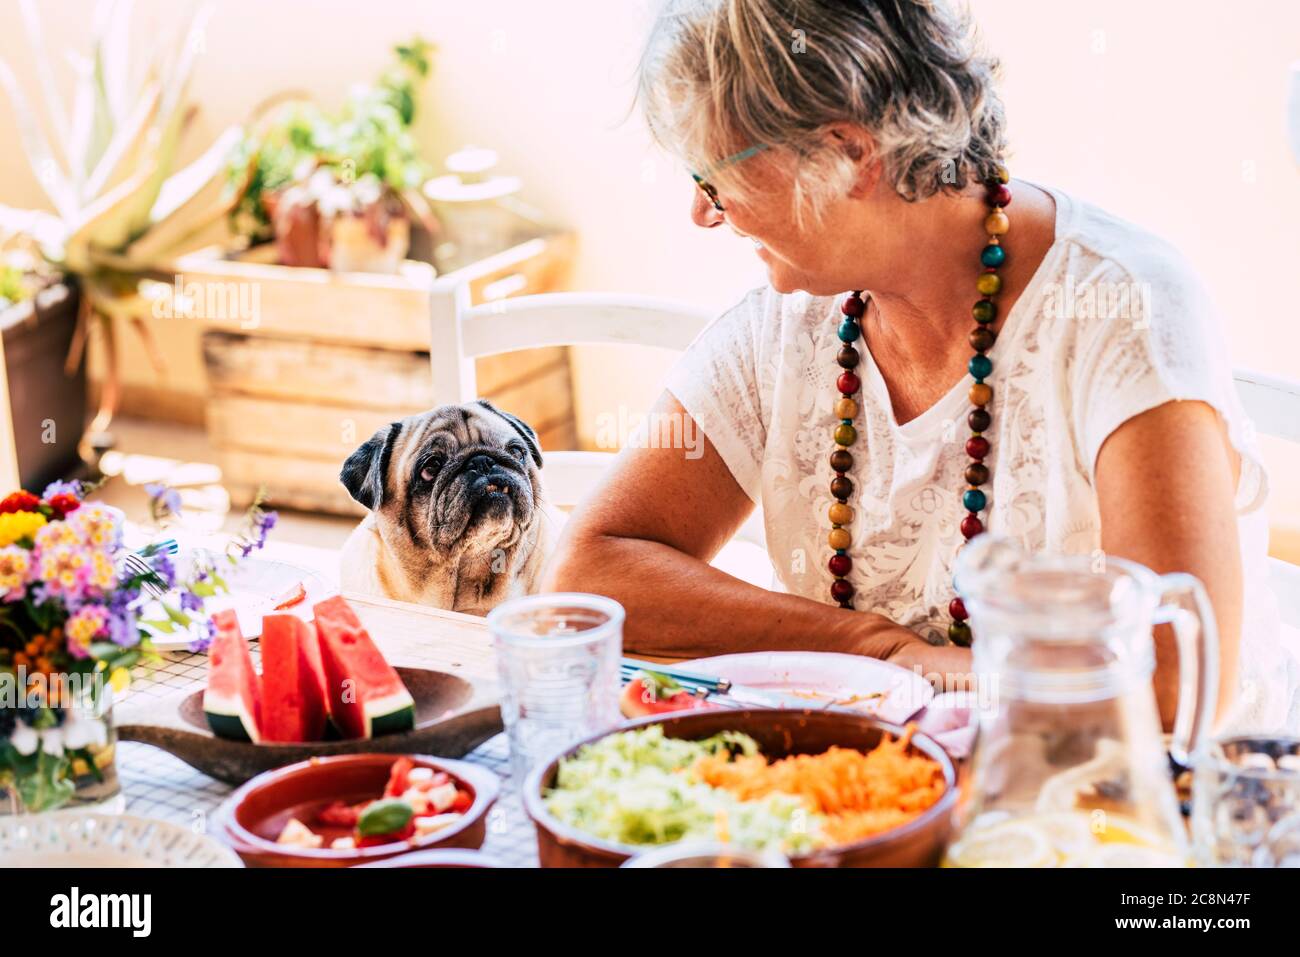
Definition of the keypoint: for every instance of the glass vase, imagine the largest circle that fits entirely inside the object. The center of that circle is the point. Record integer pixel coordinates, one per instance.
(73, 764)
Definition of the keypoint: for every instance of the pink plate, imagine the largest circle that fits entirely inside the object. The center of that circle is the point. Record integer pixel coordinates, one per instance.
(872, 687)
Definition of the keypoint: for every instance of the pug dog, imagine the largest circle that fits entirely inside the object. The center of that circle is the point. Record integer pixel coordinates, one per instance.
(457, 519)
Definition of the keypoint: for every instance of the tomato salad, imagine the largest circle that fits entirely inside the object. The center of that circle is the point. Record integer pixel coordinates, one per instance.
(416, 801)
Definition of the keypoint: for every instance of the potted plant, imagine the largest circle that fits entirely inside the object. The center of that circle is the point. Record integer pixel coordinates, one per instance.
(72, 626)
(338, 190)
(38, 321)
(107, 161)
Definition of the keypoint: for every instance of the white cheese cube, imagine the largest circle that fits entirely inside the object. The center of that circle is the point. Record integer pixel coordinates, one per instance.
(299, 834)
(436, 822)
(442, 797)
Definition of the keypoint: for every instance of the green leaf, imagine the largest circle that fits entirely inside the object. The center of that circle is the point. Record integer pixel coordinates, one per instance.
(387, 816)
(129, 658)
(159, 624)
(84, 754)
(45, 785)
(103, 650)
(178, 616)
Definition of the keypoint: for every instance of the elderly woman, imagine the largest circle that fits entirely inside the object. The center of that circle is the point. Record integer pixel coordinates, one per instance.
(941, 349)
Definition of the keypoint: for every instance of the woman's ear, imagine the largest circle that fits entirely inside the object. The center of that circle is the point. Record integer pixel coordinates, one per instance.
(859, 147)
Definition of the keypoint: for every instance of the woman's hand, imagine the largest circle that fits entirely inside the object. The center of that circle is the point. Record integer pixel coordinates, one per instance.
(946, 667)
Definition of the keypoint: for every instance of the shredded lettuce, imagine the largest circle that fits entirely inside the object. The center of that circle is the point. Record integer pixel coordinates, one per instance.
(637, 788)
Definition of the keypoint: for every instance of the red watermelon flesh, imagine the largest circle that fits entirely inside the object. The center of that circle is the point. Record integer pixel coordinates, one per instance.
(311, 649)
(366, 696)
(293, 699)
(232, 701)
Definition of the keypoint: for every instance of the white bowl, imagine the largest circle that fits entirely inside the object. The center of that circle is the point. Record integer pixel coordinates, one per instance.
(75, 839)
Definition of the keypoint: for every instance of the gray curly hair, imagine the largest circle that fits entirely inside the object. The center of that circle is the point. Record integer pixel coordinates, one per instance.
(718, 76)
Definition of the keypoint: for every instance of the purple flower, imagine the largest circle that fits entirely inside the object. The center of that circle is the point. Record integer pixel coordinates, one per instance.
(62, 488)
(190, 601)
(202, 644)
(163, 500)
(121, 625)
(164, 568)
(263, 522)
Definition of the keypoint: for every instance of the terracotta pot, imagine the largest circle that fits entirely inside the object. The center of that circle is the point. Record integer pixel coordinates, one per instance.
(48, 406)
(251, 818)
(779, 733)
(438, 859)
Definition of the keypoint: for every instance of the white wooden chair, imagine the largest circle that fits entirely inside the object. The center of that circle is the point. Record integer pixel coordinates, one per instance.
(461, 333)
(1273, 404)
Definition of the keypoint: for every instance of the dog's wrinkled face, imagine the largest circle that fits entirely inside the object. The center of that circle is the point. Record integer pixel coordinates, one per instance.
(455, 477)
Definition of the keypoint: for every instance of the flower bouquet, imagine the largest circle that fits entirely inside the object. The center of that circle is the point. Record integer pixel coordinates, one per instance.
(70, 631)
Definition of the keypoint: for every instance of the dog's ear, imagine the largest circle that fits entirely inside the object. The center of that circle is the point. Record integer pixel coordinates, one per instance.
(365, 470)
(519, 425)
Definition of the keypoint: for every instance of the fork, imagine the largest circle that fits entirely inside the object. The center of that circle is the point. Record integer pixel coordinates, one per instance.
(136, 565)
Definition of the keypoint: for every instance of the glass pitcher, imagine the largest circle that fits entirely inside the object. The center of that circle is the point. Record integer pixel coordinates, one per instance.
(1070, 767)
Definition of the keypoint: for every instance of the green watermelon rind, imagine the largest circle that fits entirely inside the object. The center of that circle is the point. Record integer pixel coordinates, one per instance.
(391, 715)
(224, 707)
(228, 718)
(391, 710)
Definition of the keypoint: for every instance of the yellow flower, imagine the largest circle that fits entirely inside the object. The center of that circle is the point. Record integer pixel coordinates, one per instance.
(15, 565)
(103, 574)
(19, 525)
(85, 625)
(52, 536)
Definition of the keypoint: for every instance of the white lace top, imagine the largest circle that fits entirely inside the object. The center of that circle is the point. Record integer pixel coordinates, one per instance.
(1113, 323)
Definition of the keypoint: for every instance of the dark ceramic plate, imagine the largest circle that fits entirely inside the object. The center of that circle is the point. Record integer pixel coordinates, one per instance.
(919, 843)
(452, 718)
(252, 818)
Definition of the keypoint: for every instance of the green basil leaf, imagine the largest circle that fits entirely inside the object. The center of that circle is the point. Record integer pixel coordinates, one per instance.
(384, 817)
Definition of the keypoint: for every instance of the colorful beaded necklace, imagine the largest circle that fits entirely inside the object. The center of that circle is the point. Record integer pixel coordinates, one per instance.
(982, 337)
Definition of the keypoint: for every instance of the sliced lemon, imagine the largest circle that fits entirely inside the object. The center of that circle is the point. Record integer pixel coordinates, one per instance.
(1011, 844)
(1123, 831)
(1126, 855)
(1070, 832)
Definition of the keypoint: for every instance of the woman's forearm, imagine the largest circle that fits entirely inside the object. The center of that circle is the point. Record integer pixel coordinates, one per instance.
(679, 606)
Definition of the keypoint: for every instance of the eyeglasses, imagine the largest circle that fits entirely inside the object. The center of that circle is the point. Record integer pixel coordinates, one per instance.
(708, 189)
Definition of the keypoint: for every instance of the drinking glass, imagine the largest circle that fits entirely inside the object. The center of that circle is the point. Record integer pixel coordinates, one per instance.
(1246, 802)
(558, 658)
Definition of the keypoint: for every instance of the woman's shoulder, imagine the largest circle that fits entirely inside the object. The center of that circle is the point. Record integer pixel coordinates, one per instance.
(1112, 281)
(1096, 246)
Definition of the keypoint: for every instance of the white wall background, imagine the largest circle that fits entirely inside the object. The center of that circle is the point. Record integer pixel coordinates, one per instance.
(1170, 113)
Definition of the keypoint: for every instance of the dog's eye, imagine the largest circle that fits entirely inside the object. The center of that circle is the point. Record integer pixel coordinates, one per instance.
(519, 452)
(430, 469)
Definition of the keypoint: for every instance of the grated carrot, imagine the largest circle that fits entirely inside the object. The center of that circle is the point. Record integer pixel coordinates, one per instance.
(858, 794)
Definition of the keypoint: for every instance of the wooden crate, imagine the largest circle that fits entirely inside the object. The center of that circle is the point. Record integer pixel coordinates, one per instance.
(291, 398)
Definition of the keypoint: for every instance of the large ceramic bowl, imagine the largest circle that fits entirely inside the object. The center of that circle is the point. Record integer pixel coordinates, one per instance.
(456, 859)
(919, 843)
(253, 816)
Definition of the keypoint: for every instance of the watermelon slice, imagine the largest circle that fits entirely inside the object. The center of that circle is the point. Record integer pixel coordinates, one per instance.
(366, 696)
(293, 596)
(232, 701)
(293, 688)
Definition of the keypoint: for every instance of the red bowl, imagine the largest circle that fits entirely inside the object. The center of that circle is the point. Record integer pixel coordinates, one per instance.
(779, 733)
(439, 859)
(251, 818)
